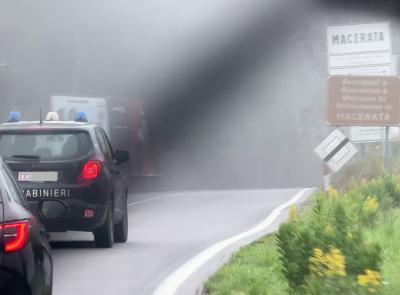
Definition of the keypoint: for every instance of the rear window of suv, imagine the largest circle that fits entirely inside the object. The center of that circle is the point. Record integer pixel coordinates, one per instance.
(46, 146)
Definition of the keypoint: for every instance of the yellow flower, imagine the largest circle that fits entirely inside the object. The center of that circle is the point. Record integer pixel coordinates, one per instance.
(328, 265)
(335, 263)
(331, 192)
(293, 215)
(371, 279)
(371, 206)
(317, 262)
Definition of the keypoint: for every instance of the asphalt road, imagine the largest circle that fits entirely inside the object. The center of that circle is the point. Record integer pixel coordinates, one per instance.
(165, 231)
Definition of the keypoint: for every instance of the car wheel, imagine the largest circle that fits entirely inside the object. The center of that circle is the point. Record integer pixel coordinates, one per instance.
(104, 236)
(121, 229)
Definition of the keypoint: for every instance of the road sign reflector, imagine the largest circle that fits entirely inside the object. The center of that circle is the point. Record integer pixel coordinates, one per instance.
(336, 150)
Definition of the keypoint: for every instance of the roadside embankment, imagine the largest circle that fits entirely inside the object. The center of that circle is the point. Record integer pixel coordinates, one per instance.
(343, 243)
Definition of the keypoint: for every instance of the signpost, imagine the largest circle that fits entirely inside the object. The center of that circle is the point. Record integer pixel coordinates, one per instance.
(362, 49)
(360, 134)
(359, 38)
(335, 150)
(364, 101)
(377, 70)
(365, 134)
(360, 59)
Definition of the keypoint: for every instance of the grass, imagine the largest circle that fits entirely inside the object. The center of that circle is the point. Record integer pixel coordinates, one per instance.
(387, 234)
(257, 270)
(253, 270)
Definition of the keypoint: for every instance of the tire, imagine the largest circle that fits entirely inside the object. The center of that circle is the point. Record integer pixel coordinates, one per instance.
(121, 229)
(104, 236)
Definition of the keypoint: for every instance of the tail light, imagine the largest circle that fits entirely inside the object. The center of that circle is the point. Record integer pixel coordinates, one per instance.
(90, 170)
(15, 235)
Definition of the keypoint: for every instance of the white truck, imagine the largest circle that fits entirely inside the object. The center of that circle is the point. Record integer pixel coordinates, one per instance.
(95, 109)
(123, 120)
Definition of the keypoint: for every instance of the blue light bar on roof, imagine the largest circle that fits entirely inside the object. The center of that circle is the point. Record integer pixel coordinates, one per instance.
(80, 117)
(14, 117)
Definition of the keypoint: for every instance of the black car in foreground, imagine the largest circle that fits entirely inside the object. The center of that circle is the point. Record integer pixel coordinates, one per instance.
(25, 260)
(70, 176)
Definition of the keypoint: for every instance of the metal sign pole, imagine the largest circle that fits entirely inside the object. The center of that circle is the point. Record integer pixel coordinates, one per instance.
(327, 177)
(383, 145)
(385, 148)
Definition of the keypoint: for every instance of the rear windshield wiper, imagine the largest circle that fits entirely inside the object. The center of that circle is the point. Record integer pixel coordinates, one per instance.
(33, 157)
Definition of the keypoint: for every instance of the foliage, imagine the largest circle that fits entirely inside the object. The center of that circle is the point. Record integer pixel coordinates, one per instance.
(369, 211)
(329, 244)
(328, 264)
(253, 270)
(387, 234)
(360, 169)
(293, 214)
(346, 243)
(368, 165)
(370, 279)
(385, 188)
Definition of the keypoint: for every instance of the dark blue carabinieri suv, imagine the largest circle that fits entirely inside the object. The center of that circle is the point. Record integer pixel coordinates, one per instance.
(70, 176)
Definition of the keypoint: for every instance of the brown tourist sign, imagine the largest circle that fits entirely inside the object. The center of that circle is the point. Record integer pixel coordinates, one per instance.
(364, 100)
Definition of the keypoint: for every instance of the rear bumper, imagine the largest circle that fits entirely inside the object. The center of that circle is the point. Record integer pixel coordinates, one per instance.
(74, 217)
(13, 283)
(77, 198)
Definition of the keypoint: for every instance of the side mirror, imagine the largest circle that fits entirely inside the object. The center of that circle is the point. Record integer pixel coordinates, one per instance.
(121, 156)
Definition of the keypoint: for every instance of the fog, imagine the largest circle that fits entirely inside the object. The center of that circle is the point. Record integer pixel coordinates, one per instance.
(234, 91)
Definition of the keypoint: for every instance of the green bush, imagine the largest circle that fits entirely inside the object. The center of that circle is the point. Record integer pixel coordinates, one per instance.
(368, 165)
(335, 226)
(295, 245)
(331, 286)
(331, 248)
(360, 169)
(385, 188)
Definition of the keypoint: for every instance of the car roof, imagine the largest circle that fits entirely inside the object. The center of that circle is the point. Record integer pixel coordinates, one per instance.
(53, 125)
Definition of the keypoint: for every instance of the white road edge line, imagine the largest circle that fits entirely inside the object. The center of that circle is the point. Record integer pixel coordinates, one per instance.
(154, 199)
(171, 284)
